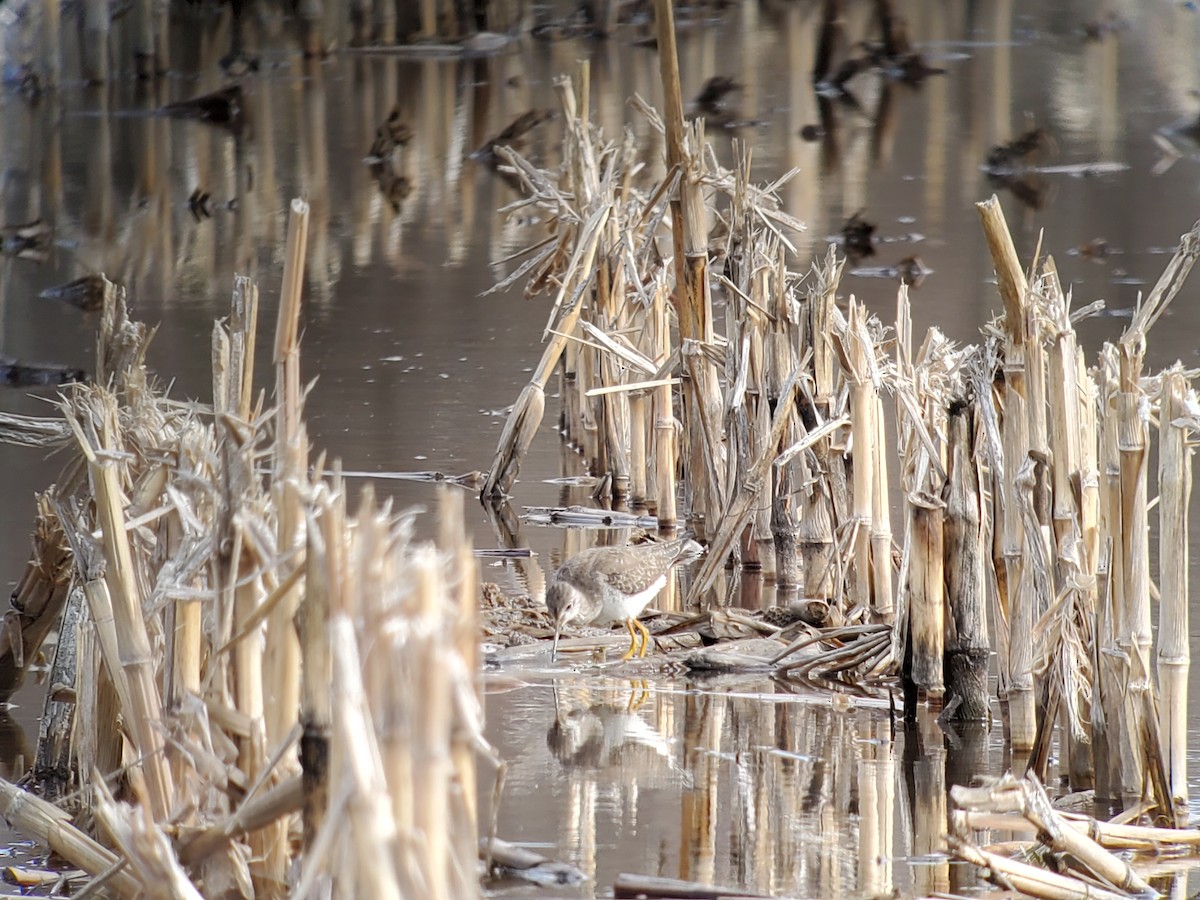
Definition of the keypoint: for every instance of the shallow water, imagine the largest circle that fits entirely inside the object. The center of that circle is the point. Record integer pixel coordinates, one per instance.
(743, 786)
(803, 794)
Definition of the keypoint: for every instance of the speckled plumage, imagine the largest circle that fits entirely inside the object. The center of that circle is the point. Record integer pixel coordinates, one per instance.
(614, 584)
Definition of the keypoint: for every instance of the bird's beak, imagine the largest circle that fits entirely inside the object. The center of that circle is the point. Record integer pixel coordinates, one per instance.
(554, 647)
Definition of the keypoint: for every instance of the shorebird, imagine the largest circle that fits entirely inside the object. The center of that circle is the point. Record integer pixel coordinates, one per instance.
(614, 584)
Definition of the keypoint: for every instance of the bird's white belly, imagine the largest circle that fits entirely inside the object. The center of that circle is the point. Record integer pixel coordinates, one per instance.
(619, 607)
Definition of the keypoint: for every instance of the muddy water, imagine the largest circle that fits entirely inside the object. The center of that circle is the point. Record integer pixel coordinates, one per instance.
(742, 784)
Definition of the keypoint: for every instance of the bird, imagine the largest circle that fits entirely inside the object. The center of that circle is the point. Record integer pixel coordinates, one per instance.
(607, 736)
(614, 584)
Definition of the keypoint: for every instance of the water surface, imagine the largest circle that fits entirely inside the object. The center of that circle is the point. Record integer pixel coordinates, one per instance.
(746, 785)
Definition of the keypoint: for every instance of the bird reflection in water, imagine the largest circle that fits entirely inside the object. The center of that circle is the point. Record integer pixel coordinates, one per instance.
(608, 728)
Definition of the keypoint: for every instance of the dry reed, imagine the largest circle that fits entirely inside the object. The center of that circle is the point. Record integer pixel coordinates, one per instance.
(189, 629)
(207, 574)
(1046, 464)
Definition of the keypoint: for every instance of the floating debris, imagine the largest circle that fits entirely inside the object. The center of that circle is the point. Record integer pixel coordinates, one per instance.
(715, 625)
(1180, 139)
(200, 205)
(507, 860)
(894, 55)
(1004, 158)
(808, 638)
(586, 516)
(1009, 166)
(581, 481)
(654, 887)
(863, 650)
(393, 133)
(15, 374)
(29, 82)
(1096, 30)
(486, 43)
(393, 187)
(1083, 170)
(754, 654)
(87, 293)
(512, 135)
(222, 107)
(480, 44)
(1013, 167)
(577, 25)
(857, 236)
(714, 104)
(911, 271)
(238, 64)
(1028, 188)
(28, 241)
(27, 877)
(1096, 250)
(716, 90)
(466, 479)
(30, 431)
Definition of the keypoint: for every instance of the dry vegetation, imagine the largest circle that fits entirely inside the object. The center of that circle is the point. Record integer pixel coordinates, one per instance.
(256, 691)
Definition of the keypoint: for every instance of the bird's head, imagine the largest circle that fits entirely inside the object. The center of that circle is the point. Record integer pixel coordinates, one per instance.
(565, 604)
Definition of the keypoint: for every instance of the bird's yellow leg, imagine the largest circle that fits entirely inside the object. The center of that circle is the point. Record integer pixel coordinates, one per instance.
(645, 636)
(632, 639)
(638, 696)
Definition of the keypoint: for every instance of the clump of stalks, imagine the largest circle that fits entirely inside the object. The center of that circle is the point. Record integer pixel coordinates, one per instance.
(1024, 475)
(259, 690)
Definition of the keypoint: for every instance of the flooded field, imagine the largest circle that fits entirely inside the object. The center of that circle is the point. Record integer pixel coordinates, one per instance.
(749, 784)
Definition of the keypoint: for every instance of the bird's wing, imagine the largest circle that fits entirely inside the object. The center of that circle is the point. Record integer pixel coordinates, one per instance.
(624, 581)
(628, 581)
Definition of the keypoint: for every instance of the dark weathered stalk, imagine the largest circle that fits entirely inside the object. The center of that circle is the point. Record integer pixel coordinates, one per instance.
(38, 599)
(52, 769)
(967, 646)
(783, 527)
